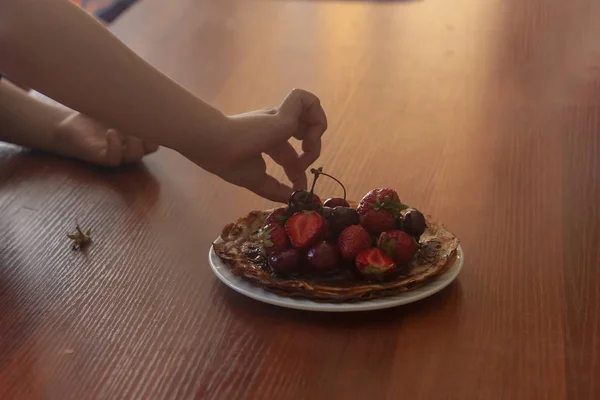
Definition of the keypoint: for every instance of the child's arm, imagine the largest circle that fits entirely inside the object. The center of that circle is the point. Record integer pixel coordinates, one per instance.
(24, 120)
(42, 124)
(57, 49)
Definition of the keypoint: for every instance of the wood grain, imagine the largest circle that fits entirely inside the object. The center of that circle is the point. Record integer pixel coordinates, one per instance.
(484, 113)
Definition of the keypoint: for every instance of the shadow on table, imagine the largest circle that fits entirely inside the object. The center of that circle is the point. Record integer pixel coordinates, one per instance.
(18, 166)
(446, 303)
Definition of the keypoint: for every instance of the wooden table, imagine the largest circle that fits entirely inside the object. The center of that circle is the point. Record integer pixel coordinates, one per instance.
(484, 113)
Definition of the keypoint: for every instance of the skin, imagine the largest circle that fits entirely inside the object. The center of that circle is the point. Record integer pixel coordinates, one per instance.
(29, 121)
(39, 49)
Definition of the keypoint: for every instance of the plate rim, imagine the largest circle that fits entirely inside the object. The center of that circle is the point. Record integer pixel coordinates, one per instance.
(260, 294)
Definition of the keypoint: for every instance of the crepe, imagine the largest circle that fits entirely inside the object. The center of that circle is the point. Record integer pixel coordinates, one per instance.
(244, 253)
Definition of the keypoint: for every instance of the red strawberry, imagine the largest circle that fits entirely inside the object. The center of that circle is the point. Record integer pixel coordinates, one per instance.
(377, 221)
(377, 199)
(304, 228)
(277, 216)
(400, 246)
(274, 238)
(374, 263)
(379, 209)
(352, 241)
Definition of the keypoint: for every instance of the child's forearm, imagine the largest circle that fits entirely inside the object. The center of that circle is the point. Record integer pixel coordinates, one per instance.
(57, 49)
(24, 120)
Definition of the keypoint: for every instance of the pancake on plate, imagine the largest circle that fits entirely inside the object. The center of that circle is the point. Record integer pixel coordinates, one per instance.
(242, 247)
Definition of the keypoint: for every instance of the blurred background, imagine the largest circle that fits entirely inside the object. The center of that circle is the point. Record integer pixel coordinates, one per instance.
(105, 10)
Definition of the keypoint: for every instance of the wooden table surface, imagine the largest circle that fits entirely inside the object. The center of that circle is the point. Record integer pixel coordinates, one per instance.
(484, 113)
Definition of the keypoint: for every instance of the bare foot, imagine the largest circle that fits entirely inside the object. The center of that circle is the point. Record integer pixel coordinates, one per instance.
(78, 136)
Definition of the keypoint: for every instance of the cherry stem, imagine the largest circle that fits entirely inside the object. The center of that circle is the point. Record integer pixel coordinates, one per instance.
(319, 171)
(316, 173)
(312, 189)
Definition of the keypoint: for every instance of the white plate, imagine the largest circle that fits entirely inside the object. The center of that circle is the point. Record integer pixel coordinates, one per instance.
(238, 284)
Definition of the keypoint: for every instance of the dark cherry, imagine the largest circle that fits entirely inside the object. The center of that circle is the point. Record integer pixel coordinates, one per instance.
(277, 216)
(336, 202)
(302, 200)
(341, 218)
(328, 234)
(399, 223)
(323, 256)
(326, 212)
(413, 223)
(285, 261)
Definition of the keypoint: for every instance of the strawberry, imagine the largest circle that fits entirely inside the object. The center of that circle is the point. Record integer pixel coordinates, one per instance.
(352, 241)
(374, 263)
(400, 246)
(379, 209)
(274, 238)
(381, 199)
(377, 221)
(304, 228)
(277, 216)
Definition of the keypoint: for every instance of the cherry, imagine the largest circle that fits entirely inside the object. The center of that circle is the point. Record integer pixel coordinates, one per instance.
(302, 200)
(323, 256)
(336, 202)
(326, 212)
(285, 261)
(341, 218)
(413, 223)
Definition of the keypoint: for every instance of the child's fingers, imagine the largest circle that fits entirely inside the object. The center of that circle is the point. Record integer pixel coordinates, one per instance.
(134, 150)
(306, 108)
(286, 156)
(150, 147)
(311, 149)
(113, 148)
(271, 189)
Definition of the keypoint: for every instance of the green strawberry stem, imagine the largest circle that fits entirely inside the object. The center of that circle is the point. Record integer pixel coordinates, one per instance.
(319, 171)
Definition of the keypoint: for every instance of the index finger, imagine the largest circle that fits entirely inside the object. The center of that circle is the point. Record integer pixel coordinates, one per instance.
(306, 107)
(316, 122)
(311, 149)
(271, 189)
(286, 156)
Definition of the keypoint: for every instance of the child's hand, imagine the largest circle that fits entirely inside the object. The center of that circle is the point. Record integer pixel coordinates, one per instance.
(83, 138)
(247, 136)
